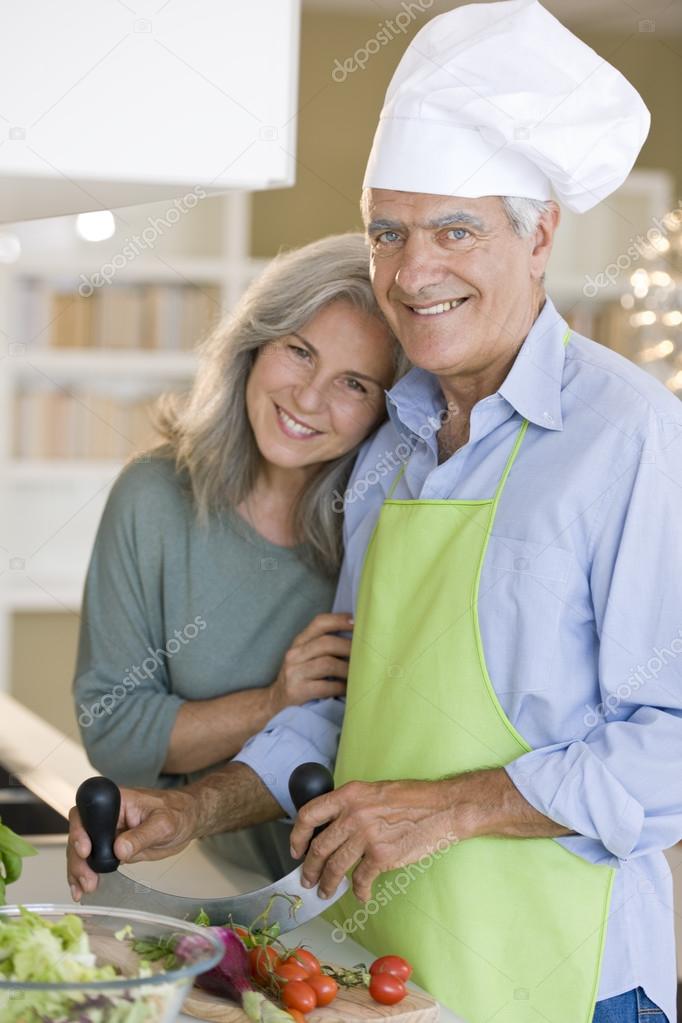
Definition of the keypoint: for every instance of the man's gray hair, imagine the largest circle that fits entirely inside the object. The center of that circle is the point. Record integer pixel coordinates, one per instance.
(524, 214)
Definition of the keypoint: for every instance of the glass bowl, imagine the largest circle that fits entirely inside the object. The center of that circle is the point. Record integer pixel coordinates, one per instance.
(130, 998)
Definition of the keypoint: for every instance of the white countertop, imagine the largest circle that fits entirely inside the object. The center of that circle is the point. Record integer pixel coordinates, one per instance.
(53, 766)
(44, 880)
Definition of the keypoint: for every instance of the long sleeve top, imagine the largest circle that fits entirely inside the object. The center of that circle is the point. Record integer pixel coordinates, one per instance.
(176, 611)
(580, 609)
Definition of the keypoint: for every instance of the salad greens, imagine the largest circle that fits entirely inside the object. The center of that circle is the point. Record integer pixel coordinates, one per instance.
(12, 851)
(33, 949)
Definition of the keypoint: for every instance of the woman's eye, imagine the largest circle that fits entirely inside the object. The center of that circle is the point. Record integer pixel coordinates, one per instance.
(356, 386)
(300, 352)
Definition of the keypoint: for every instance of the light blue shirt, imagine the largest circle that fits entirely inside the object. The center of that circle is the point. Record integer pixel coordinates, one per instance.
(580, 610)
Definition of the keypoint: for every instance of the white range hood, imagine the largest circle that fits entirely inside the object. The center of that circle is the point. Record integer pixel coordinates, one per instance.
(106, 104)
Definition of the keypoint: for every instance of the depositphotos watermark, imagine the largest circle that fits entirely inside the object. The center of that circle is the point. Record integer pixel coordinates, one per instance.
(637, 678)
(393, 459)
(387, 890)
(139, 242)
(388, 30)
(637, 248)
(139, 672)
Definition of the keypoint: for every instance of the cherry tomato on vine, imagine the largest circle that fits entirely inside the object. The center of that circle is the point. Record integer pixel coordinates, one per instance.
(297, 994)
(325, 988)
(263, 961)
(307, 960)
(387, 989)
(243, 934)
(290, 970)
(395, 965)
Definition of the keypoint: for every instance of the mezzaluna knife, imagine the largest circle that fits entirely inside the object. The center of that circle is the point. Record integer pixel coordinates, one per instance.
(99, 800)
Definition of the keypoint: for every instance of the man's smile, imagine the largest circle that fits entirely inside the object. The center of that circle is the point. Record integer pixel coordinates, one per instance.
(436, 308)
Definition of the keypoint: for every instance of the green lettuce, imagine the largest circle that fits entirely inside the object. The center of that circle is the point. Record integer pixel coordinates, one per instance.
(33, 949)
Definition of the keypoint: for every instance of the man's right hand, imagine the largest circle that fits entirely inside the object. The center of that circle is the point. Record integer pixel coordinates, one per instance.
(152, 824)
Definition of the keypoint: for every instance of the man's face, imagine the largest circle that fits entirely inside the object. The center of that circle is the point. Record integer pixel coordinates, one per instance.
(459, 288)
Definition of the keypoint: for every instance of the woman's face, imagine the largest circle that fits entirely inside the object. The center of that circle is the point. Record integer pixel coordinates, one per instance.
(314, 395)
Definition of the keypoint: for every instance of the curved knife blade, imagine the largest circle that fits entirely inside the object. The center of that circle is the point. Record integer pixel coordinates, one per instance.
(120, 890)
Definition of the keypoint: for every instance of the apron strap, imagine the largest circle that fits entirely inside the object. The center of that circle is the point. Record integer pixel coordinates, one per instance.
(517, 444)
(510, 461)
(396, 481)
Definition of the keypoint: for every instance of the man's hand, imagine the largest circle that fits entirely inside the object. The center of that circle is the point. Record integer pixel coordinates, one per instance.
(155, 823)
(384, 825)
(152, 824)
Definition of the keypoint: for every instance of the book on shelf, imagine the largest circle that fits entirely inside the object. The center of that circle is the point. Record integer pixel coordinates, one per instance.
(88, 424)
(149, 316)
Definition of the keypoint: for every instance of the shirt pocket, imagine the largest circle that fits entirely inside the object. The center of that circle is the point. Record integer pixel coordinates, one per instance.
(523, 600)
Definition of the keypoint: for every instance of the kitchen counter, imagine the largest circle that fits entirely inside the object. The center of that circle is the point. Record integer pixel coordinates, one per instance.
(44, 880)
(53, 766)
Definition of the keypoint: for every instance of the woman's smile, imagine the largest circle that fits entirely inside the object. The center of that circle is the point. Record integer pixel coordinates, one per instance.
(292, 427)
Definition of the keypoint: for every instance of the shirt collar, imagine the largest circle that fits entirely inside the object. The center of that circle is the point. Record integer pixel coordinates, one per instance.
(532, 387)
(533, 384)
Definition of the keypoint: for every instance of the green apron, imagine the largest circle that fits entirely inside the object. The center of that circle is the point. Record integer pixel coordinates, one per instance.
(501, 930)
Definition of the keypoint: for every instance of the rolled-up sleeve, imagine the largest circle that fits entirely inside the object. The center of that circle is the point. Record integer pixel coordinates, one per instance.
(297, 735)
(621, 781)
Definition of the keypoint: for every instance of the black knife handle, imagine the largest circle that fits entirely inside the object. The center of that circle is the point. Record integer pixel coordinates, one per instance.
(308, 781)
(99, 802)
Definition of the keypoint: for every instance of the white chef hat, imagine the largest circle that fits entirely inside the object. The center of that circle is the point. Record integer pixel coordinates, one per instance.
(501, 99)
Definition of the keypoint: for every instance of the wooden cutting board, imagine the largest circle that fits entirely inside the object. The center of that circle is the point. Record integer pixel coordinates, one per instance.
(349, 1004)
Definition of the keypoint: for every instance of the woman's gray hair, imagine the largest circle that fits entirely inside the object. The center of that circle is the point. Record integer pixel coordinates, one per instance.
(208, 432)
(524, 214)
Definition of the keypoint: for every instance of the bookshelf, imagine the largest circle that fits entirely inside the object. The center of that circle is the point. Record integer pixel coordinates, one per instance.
(61, 391)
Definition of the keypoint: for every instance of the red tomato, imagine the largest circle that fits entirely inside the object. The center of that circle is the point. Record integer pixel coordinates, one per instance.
(243, 935)
(325, 988)
(395, 965)
(307, 960)
(387, 989)
(298, 1016)
(263, 961)
(291, 970)
(297, 994)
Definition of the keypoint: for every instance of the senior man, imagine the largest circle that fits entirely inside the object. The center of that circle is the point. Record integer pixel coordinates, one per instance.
(509, 580)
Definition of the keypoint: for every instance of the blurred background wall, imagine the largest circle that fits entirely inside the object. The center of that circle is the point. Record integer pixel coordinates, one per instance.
(337, 121)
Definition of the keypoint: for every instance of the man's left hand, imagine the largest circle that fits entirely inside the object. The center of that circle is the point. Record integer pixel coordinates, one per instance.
(383, 825)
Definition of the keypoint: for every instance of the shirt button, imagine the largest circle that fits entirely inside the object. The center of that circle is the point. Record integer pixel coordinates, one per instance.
(521, 564)
(547, 417)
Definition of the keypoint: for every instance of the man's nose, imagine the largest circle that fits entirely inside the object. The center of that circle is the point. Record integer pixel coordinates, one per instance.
(421, 269)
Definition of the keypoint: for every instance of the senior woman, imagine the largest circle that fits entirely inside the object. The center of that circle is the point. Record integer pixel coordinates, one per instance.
(207, 600)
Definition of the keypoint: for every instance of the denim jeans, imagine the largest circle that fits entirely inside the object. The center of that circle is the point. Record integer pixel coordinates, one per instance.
(630, 1007)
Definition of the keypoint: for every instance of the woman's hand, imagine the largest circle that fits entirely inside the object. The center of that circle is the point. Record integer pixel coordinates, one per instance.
(315, 656)
(152, 824)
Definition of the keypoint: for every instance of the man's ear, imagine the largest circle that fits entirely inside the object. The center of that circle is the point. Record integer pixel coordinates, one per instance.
(543, 239)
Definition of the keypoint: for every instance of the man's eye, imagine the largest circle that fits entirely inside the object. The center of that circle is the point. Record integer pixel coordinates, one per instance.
(387, 237)
(459, 232)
